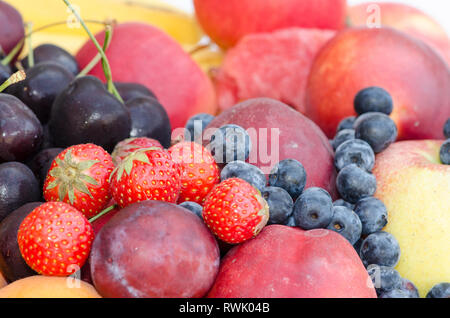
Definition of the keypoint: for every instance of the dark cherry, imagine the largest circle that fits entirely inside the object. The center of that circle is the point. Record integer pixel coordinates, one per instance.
(149, 119)
(12, 264)
(53, 53)
(21, 133)
(11, 27)
(5, 73)
(18, 186)
(41, 162)
(43, 83)
(85, 112)
(129, 90)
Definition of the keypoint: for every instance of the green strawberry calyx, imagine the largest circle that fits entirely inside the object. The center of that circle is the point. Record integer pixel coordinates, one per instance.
(127, 164)
(70, 175)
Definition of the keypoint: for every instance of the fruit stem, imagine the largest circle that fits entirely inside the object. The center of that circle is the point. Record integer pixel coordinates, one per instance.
(29, 45)
(102, 213)
(106, 67)
(15, 78)
(96, 59)
(7, 59)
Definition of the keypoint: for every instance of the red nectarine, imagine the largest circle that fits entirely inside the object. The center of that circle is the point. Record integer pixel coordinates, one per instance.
(287, 262)
(414, 74)
(143, 54)
(226, 22)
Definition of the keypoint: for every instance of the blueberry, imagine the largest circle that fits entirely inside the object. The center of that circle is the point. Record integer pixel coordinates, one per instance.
(395, 293)
(384, 278)
(342, 136)
(341, 202)
(280, 204)
(313, 209)
(290, 175)
(409, 288)
(196, 125)
(346, 123)
(193, 207)
(354, 183)
(345, 222)
(380, 248)
(230, 143)
(441, 290)
(245, 171)
(444, 152)
(372, 213)
(290, 221)
(355, 151)
(357, 245)
(447, 129)
(377, 129)
(373, 99)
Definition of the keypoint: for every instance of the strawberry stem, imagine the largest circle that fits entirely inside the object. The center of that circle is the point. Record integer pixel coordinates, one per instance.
(96, 59)
(15, 78)
(105, 64)
(102, 213)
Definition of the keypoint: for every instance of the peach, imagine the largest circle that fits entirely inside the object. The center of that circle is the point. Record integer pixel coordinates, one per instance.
(287, 262)
(143, 54)
(48, 287)
(414, 74)
(226, 22)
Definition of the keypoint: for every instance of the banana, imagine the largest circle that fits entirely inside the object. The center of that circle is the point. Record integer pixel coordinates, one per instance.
(181, 26)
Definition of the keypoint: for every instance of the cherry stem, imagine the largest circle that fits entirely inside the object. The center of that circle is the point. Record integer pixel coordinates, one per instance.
(30, 45)
(96, 59)
(7, 59)
(15, 78)
(102, 213)
(105, 64)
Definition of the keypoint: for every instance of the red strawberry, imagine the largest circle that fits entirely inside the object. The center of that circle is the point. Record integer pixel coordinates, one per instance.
(55, 239)
(146, 174)
(127, 146)
(80, 176)
(235, 211)
(200, 172)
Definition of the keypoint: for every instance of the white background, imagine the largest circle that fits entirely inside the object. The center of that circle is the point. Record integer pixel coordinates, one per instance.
(438, 9)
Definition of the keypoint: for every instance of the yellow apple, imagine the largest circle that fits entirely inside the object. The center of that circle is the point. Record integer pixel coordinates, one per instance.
(415, 187)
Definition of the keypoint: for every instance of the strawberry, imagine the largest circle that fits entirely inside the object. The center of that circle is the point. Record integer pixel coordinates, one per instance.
(235, 211)
(129, 145)
(80, 176)
(146, 174)
(55, 239)
(200, 172)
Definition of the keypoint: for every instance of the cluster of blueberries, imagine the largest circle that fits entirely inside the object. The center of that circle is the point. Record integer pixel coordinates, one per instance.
(358, 216)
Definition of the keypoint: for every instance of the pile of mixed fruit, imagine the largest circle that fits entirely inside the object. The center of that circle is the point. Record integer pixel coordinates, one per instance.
(120, 177)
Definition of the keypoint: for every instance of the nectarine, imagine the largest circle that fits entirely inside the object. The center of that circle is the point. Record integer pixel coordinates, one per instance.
(404, 18)
(417, 78)
(287, 262)
(279, 132)
(414, 186)
(143, 54)
(226, 22)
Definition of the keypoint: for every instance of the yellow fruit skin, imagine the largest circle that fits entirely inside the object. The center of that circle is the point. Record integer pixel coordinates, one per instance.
(181, 26)
(416, 191)
(48, 287)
